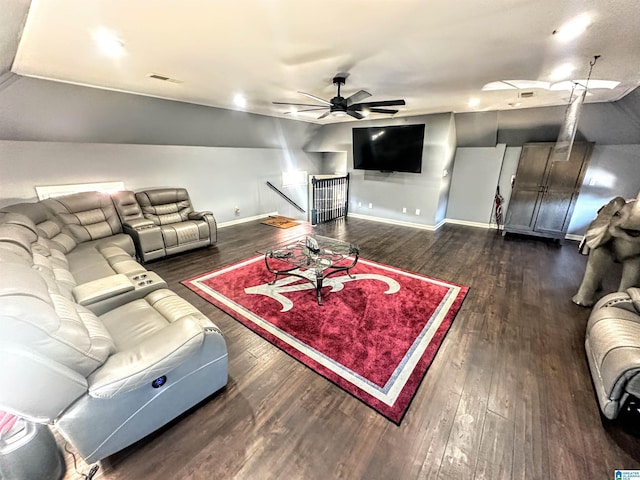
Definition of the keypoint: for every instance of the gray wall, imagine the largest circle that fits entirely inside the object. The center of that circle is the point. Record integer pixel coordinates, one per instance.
(58, 133)
(55, 133)
(41, 110)
(475, 176)
(616, 123)
(614, 168)
(390, 192)
(218, 179)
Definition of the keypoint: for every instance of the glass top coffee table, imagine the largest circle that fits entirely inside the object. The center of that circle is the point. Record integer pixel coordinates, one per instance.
(312, 258)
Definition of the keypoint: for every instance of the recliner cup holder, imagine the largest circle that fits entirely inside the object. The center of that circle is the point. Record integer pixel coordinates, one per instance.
(145, 282)
(140, 276)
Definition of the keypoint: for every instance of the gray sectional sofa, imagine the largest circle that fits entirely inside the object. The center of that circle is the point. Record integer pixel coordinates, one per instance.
(90, 340)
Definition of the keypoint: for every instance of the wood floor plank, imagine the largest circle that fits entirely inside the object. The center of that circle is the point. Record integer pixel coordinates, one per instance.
(508, 395)
(495, 458)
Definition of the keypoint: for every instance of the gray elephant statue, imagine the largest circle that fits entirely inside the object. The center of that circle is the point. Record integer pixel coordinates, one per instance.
(614, 236)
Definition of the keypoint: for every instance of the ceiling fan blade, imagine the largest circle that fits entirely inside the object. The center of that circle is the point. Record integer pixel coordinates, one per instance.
(355, 114)
(308, 110)
(321, 100)
(358, 96)
(383, 110)
(383, 103)
(326, 114)
(298, 104)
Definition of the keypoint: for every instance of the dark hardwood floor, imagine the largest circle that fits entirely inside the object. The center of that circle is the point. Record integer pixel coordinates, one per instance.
(508, 395)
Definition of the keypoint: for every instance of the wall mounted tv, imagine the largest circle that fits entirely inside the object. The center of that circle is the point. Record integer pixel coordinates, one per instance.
(395, 148)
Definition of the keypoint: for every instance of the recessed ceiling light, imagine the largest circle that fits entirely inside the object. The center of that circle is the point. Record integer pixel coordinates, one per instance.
(573, 28)
(562, 72)
(239, 100)
(365, 112)
(474, 102)
(109, 43)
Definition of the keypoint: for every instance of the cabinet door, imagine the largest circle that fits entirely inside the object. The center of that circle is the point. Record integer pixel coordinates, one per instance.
(561, 192)
(528, 187)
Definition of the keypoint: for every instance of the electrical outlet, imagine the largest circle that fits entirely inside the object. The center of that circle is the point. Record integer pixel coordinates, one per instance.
(371, 205)
(592, 182)
(236, 210)
(404, 209)
(359, 204)
(417, 211)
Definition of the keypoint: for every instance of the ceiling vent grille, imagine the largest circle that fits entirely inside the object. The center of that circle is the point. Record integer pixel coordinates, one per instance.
(163, 78)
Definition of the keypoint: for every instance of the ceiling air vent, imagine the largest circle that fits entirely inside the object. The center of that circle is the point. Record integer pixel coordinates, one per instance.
(526, 94)
(164, 78)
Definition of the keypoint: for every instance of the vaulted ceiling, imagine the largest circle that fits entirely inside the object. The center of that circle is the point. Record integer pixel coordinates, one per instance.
(436, 55)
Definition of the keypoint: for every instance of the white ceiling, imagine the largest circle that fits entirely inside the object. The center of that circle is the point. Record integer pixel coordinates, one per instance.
(435, 54)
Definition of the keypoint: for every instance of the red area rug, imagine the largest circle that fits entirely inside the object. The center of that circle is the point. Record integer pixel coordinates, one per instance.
(375, 336)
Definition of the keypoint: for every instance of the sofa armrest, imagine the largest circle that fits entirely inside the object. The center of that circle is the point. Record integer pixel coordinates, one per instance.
(199, 215)
(211, 221)
(138, 224)
(147, 237)
(102, 288)
(156, 356)
(41, 388)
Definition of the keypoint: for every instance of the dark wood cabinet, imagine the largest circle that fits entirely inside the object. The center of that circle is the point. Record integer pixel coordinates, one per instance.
(544, 193)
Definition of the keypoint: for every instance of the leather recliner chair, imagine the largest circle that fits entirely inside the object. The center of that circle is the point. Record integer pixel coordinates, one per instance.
(613, 350)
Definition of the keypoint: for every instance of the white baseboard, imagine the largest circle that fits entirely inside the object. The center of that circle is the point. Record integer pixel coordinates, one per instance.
(246, 219)
(431, 228)
(470, 224)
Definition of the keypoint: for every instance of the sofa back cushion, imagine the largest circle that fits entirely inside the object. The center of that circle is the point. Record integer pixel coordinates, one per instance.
(48, 323)
(164, 206)
(86, 215)
(126, 206)
(48, 227)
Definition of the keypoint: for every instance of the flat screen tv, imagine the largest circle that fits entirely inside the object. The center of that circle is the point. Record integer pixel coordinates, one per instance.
(395, 148)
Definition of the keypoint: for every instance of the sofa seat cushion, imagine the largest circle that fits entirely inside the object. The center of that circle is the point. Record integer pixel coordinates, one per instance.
(88, 262)
(184, 232)
(131, 324)
(120, 240)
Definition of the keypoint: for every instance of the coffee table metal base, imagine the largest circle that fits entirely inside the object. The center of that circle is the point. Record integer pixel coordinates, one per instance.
(318, 281)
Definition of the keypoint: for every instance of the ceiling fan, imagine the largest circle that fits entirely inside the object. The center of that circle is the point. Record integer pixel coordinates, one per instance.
(340, 106)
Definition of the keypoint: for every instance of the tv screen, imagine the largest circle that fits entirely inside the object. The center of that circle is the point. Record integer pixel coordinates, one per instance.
(388, 149)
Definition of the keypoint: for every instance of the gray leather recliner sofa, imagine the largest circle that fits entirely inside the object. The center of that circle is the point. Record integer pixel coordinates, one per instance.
(613, 349)
(107, 353)
(163, 222)
(182, 227)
